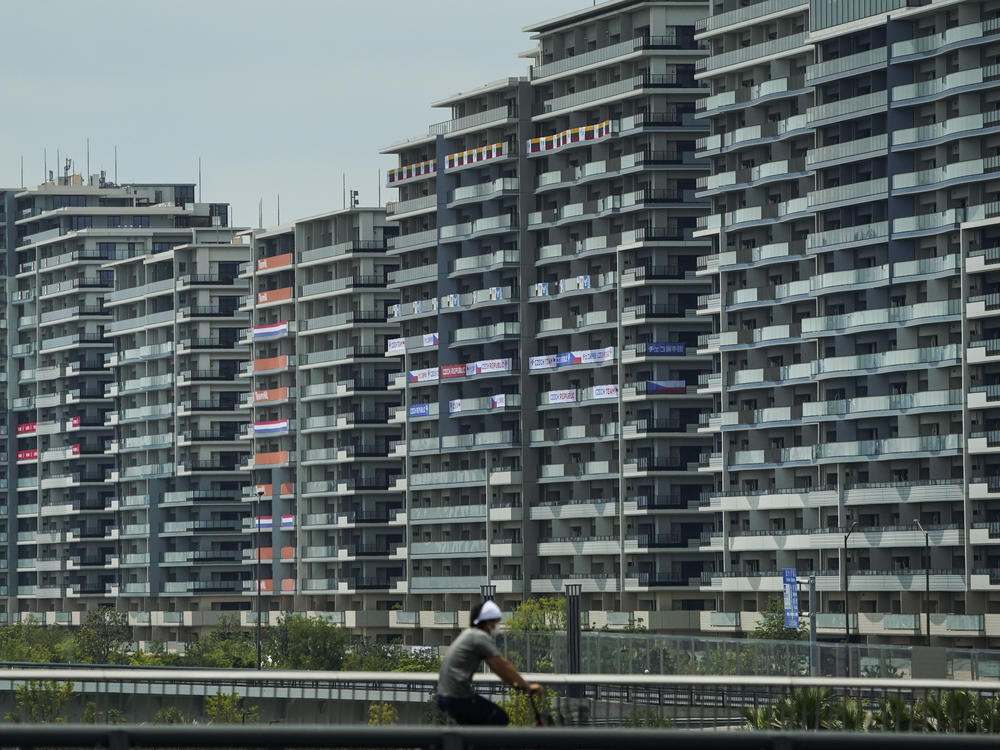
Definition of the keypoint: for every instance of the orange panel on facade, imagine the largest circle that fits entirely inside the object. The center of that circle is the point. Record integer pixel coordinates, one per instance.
(265, 489)
(266, 585)
(267, 459)
(270, 363)
(287, 553)
(275, 261)
(266, 553)
(274, 295)
(288, 584)
(270, 395)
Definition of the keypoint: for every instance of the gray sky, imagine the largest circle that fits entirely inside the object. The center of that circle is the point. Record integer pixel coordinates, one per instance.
(276, 97)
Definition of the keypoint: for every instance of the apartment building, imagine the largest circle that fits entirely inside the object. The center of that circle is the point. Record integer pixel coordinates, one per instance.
(549, 328)
(853, 190)
(99, 294)
(328, 534)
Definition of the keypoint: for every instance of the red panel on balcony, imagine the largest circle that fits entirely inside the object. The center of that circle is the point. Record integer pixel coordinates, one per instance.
(275, 261)
(270, 459)
(270, 395)
(288, 553)
(270, 363)
(288, 584)
(274, 295)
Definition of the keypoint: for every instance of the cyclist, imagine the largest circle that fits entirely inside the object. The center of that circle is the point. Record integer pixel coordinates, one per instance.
(468, 651)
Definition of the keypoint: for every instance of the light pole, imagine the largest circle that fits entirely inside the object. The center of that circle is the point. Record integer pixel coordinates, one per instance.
(927, 579)
(847, 608)
(256, 522)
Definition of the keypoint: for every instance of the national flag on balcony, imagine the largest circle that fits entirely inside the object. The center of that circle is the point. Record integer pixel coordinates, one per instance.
(75, 450)
(287, 522)
(430, 339)
(409, 171)
(264, 522)
(28, 428)
(473, 156)
(273, 427)
(570, 136)
(270, 331)
(666, 386)
(498, 402)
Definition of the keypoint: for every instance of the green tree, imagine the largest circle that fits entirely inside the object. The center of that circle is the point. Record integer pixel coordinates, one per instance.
(41, 702)
(92, 716)
(228, 708)
(369, 655)
(105, 637)
(423, 660)
(226, 645)
(29, 641)
(300, 642)
(772, 624)
(518, 706)
(543, 613)
(648, 718)
(382, 714)
(170, 715)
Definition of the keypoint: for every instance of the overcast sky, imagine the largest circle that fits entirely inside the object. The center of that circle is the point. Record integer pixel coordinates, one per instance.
(277, 96)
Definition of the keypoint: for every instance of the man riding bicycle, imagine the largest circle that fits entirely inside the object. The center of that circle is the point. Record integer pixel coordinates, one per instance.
(468, 651)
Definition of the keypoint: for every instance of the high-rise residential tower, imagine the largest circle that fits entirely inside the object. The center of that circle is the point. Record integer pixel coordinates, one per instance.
(854, 195)
(328, 531)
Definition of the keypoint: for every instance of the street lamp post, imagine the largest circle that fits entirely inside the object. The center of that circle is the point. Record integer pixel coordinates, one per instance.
(256, 522)
(927, 579)
(847, 596)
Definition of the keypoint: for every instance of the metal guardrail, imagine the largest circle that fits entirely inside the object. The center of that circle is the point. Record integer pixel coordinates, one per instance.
(342, 699)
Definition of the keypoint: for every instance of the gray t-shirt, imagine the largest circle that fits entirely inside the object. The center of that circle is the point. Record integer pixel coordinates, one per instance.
(463, 659)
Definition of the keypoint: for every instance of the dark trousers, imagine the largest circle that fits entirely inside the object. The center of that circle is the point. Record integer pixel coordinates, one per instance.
(474, 710)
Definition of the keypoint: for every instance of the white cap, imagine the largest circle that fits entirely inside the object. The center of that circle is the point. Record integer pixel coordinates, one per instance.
(489, 611)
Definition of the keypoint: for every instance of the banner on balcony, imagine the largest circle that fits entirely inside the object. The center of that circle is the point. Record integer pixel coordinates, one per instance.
(544, 362)
(271, 395)
(455, 406)
(29, 455)
(271, 331)
(586, 357)
(583, 282)
(542, 289)
(288, 522)
(75, 450)
(451, 300)
(562, 397)
(410, 171)
(662, 348)
(666, 386)
(395, 311)
(396, 346)
(499, 401)
(420, 410)
(427, 375)
(430, 339)
(605, 391)
(452, 371)
(273, 427)
(485, 366)
(473, 156)
(571, 136)
(27, 428)
(74, 421)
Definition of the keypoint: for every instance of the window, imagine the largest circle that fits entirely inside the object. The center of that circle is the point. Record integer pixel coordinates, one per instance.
(82, 222)
(140, 221)
(114, 222)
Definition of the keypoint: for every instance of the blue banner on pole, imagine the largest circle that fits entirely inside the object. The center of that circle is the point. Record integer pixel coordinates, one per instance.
(789, 582)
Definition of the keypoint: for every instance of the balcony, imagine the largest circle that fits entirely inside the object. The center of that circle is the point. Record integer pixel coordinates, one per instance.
(622, 88)
(922, 312)
(742, 55)
(973, 32)
(851, 64)
(853, 107)
(603, 54)
(948, 84)
(748, 13)
(477, 120)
